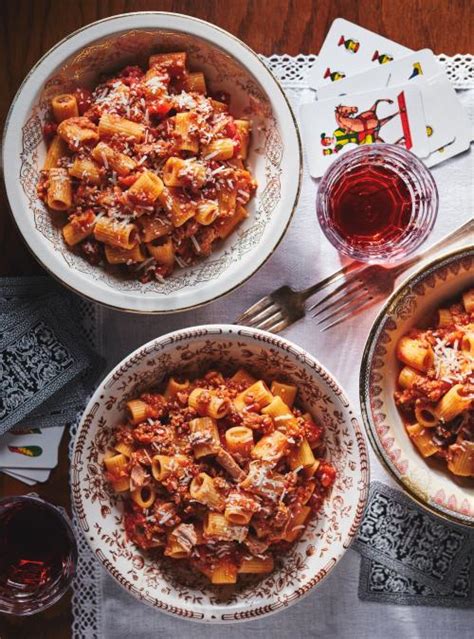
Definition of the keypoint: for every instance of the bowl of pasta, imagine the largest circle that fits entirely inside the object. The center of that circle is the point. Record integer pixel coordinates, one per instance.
(417, 386)
(219, 473)
(152, 162)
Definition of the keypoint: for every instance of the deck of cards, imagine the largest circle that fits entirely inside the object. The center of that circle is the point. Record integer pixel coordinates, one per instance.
(372, 90)
(47, 370)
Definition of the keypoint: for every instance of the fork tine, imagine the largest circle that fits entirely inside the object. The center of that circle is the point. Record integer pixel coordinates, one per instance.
(279, 326)
(332, 310)
(262, 303)
(344, 286)
(342, 297)
(271, 320)
(257, 319)
(355, 310)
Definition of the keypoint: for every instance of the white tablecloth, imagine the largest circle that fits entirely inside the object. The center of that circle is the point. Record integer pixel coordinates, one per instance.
(303, 258)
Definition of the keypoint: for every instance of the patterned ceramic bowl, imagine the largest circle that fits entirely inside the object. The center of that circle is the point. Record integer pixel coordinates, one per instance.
(229, 65)
(325, 540)
(428, 483)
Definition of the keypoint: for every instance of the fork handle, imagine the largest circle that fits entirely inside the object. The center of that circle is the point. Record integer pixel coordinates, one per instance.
(457, 234)
(331, 279)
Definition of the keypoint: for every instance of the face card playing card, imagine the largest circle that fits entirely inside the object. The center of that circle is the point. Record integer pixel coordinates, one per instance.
(394, 115)
(30, 450)
(349, 49)
(418, 68)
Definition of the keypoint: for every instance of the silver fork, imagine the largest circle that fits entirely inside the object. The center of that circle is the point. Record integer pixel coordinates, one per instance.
(363, 286)
(285, 306)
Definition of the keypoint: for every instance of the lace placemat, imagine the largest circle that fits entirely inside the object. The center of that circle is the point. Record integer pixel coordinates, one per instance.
(87, 604)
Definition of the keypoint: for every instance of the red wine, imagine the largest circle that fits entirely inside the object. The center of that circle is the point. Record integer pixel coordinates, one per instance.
(370, 205)
(37, 551)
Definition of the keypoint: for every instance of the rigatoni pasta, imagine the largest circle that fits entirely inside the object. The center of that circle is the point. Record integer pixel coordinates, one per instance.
(436, 395)
(149, 149)
(210, 480)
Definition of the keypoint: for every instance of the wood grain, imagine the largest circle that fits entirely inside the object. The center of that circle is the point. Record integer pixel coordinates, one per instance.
(28, 28)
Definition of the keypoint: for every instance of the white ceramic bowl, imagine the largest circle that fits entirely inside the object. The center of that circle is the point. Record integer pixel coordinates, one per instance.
(427, 482)
(275, 156)
(192, 351)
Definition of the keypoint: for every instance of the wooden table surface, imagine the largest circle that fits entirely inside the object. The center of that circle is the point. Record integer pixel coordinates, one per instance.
(30, 27)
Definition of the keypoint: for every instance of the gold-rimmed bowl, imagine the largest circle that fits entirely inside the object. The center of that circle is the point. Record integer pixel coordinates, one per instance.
(275, 156)
(428, 482)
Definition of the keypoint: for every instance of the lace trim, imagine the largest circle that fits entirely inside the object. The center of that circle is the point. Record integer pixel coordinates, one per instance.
(292, 72)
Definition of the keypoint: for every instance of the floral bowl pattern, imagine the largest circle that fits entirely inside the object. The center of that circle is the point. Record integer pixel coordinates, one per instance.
(275, 156)
(99, 510)
(428, 483)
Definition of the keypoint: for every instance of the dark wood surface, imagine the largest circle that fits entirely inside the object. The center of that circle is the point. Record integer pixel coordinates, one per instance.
(30, 27)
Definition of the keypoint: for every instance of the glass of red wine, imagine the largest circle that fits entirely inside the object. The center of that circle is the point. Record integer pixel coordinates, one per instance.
(38, 555)
(377, 203)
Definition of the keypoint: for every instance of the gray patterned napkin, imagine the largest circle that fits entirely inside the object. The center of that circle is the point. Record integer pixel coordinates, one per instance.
(46, 368)
(411, 557)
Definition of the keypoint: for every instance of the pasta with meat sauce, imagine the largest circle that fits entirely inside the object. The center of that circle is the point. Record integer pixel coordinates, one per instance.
(147, 171)
(222, 473)
(436, 386)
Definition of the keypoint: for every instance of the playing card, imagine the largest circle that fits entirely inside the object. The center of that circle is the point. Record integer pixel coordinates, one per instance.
(40, 352)
(398, 534)
(349, 49)
(420, 68)
(446, 100)
(30, 450)
(22, 478)
(380, 583)
(29, 477)
(416, 67)
(394, 115)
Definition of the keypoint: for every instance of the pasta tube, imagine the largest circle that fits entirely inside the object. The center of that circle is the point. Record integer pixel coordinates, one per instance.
(225, 226)
(468, 301)
(116, 255)
(203, 490)
(256, 565)
(207, 212)
(64, 106)
(220, 149)
(204, 436)
(414, 354)
(77, 132)
(59, 190)
(175, 386)
(239, 439)
(453, 403)
(57, 149)
(208, 403)
(110, 158)
(270, 447)
(257, 394)
(287, 392)
(80, 227)
(422, 440)
(144, 496)
(86, 170)
(162, 251)
(146, 189)
(110, 125)
(117, 234)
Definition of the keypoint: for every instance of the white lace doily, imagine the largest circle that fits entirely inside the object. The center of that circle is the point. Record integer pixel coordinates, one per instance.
(292, 71)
